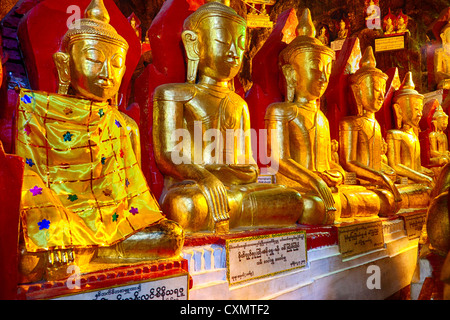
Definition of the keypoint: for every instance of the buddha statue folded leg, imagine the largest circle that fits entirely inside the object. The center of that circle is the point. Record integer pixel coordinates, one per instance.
(250, 205)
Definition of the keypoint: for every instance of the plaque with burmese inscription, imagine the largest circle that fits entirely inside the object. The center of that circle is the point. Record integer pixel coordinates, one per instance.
(264, 255)
(358, 238)
(414, 222)
(165, 288)
(390, 43)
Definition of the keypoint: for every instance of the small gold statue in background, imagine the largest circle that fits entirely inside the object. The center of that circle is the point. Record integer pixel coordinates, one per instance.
(439, 153)
(403, 143)
(86, 198)
(212, 186)
(343, 31)
(303, 134)
(442, 60)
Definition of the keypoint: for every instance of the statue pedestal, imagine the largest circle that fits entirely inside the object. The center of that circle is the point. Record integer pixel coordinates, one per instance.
(376, 273)
(159, 280)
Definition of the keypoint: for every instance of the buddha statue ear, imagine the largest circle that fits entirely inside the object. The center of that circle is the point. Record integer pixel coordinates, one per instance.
(357, 94)
(291, 81)
(61, 60)
(190, 41)
(398, 115)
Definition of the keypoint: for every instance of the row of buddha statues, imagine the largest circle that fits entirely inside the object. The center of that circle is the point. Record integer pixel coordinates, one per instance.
(85, 197)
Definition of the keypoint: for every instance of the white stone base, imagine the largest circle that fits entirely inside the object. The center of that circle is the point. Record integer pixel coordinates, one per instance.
(326, 276)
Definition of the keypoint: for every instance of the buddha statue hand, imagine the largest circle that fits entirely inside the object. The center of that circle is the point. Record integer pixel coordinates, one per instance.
(234, 174)
(389, 183)
(321, 187)
(216, 197)
(332, 178)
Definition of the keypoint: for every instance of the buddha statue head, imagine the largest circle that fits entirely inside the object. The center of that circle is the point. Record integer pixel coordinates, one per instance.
(408, 104)
(306, 63)
(439, 120)
(91, 62)
(445, 37)
(214, 40)
(368, 84)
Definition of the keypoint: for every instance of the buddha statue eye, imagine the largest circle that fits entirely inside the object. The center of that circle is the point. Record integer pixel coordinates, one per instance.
(94, 55)
(117, 61)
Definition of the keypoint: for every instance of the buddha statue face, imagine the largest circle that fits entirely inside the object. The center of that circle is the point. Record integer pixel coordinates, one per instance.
(96, 69)
(440, 120)
(312, 70)
(372, 90)
(92, 59)
(215, 42)
(409, 109)
(445, 37)
(221, 49)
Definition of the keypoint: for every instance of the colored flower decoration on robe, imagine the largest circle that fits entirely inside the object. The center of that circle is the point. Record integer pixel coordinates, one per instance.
(115, 216)
(118, 124)
(103, 160)
(27, 130)
(29, 162)
(26, 99)
(44, 224)
(127, 182)
(134, 211)
(72, 197)
(67, 136)
(101, 113)
(36, 191)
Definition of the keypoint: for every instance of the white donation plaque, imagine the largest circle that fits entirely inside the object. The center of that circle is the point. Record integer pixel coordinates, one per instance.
(265, 255)
(169, 288)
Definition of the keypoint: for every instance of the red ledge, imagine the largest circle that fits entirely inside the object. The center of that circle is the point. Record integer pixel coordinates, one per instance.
(104, 279)
(316, 236)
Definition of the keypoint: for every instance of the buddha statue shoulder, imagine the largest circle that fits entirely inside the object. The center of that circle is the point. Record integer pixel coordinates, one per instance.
(302, 134)
(85, 196)
(210, 184)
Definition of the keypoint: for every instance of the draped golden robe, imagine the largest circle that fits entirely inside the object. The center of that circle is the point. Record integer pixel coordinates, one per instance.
(82, 185)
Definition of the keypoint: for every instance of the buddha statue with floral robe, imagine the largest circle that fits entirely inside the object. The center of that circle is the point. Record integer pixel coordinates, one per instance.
(84, 195)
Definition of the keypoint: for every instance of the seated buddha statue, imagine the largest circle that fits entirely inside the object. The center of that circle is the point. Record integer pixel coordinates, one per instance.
(439, 153)
(302, 135)
(343, 31)
(442, 60)
(210, 176)
(360, 135)
(362, 145)
(403, 143)
(84, 196)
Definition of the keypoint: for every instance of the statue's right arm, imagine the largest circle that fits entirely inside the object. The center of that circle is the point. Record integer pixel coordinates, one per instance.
(348, 135)
(168, 116)
(277, 121)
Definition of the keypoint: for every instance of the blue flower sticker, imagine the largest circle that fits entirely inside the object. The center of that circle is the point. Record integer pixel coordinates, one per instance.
(103, 160)
(26, 99)
(44, 224)
(101, 113)
(29, 162)
(118, 124)
(72, 197)
(67, 136)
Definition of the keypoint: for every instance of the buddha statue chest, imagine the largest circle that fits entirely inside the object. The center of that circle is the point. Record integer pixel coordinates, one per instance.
(309, 137)
(369, 143)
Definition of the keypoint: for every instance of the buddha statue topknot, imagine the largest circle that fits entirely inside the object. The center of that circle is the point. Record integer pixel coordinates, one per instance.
(84, 195)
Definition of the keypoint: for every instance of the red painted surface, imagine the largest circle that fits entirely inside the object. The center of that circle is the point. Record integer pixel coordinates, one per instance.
(11, 177)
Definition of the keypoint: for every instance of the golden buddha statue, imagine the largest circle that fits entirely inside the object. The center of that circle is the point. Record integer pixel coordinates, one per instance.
(360, 136)
(323, 36)
(84, 195)
(389, 27)
(442, 60)
(439, 153)
(343, 31)
(302, 135)
(403, 144)
(212, 185)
